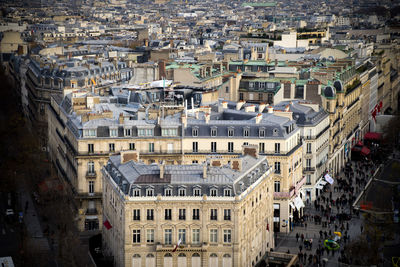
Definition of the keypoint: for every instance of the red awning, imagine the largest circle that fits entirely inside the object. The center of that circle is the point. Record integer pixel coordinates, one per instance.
(107, 225)
(365, 151)
(372, 136)
(359, 143)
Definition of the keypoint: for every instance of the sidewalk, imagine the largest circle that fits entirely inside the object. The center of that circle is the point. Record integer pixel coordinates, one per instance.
(31, 220)
(287, 242)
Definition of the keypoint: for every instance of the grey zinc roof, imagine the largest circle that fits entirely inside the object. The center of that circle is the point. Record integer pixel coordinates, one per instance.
(304, 115)
(133, 175)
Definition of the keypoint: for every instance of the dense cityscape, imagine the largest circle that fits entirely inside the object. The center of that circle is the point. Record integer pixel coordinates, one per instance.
(191, 133)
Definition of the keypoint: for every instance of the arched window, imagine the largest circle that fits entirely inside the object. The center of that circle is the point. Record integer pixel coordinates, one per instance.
(196, 255)
(150, 255)
(213, 255)
(227, 256)
(168, 255)
(182, 255)
(136, 256)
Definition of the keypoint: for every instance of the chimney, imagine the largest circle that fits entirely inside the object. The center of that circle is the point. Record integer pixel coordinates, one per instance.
(276, 62)
(236, 164)
(258, 118)
(205, 170)
(261, 107)
(184, 120)
(171, 43)
(270, 109)
(162, 170)
(121, 118)
(251, 150)
(240, 104)
(250, 108)
(224, 104)
(287, 108)
(146, 42)
(162, 73)
(129, 155)
(207, 117)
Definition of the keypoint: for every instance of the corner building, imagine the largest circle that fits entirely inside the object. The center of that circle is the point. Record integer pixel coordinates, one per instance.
(221, 215)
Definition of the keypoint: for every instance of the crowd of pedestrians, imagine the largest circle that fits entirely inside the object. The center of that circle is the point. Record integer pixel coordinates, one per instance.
(331, 212)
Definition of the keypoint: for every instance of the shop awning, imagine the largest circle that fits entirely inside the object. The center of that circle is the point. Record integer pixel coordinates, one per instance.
(298, 202)
(365, 151)
(372, 136)
(107, 224)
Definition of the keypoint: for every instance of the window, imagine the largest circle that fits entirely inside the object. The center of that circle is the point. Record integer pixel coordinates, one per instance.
(131, 146)
(260, 96)
(261, 132)
(111, 147)
(145, 132)
(149, 192)
(246, 132)
(241, 96)
(213, 132)
(277, 186)
(150, 236)
(308, 148)
(182, 214)
(168, 192)
(136, 236)
(168, 236)
(136, 215)
(308, 163)
(213, 235)
(182, 235)
(128, 132)
(308, 179)
(251, 85)
(277, 148)
(182, 192)
(261, 147)
(213, 192)
(91, 167)
(195, 132)
(151, 147)
(150, 214)
(213, 146)
(195, 161)
(227, 192)
(136, 192)
(90, 148)
(168, 214)
(91, 187)
(226, 89)
(169, 132)
(230, 146)
(231, 132)
(196, 214)
(197, 192)
(195, 146)
(89, 133)
(245, 143)
(113, 132)
(227, 214)
(213, 214)
(196, 236)
(277, 167)
(227, 236)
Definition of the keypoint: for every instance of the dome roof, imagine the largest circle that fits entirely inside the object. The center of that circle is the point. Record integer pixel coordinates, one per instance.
(338, 85)
(329, 91)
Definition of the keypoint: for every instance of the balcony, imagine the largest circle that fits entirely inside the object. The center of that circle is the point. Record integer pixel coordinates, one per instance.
(91, 174)
(161, 151)
(309, 169)
(91, 211)
(87, 195)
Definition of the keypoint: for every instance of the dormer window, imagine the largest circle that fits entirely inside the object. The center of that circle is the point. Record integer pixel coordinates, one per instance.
(89, 133)
(275, 132)
(261, 132)
(169, 132)
(246, 132)
(136, 192)
(197, 192)
(214, 131)
(182, 192)
(231, 132)
(128, 132)
(227, 192)
(145, 132)
(149, 192)
(195, 132)
(213, 192)
(113, 132)
(168, 192)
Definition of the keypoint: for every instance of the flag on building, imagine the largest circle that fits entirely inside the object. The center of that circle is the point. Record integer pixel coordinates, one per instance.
(177, 245)
(107, 225)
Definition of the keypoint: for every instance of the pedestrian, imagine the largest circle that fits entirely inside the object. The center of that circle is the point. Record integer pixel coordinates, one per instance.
(302, 237)
(288, 252)
(300, 248)
(297, 237)
(305, 258)
(361, 228)
(305, 225)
